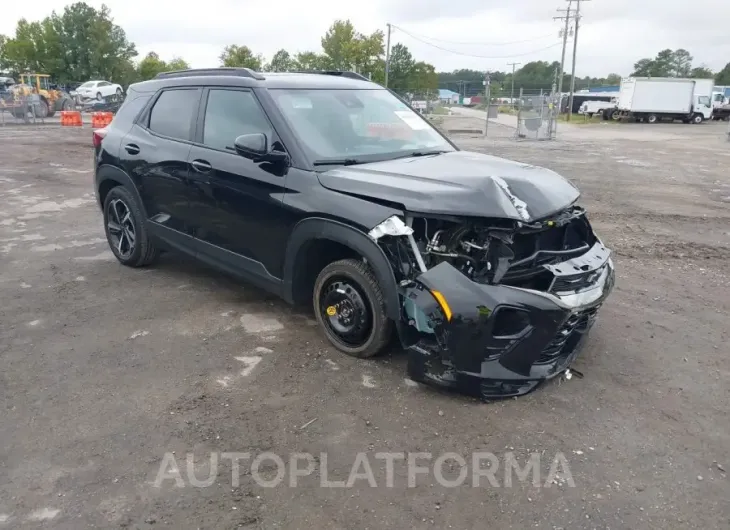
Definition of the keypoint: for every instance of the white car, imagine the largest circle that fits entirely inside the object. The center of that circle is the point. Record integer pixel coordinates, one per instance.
(99, 90)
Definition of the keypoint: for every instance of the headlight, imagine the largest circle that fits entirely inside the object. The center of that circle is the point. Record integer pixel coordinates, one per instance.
(392, 226)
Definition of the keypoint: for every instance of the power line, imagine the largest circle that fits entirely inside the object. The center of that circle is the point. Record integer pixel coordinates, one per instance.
(473, 55)
(477, 43)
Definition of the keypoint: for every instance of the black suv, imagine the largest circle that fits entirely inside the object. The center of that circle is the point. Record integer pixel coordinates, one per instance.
(326, 188)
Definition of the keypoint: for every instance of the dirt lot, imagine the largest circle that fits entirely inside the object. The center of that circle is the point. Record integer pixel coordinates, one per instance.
(106, 369)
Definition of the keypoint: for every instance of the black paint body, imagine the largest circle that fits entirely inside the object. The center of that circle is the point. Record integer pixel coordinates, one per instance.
(259, 220)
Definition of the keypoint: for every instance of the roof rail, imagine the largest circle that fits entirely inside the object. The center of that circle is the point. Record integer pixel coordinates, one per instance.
(340, 73)
(192, 72)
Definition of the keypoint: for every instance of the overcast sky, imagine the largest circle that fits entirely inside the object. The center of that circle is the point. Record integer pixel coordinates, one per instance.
(613, 35)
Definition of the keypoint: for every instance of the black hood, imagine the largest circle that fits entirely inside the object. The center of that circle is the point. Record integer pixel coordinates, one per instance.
(458, 183)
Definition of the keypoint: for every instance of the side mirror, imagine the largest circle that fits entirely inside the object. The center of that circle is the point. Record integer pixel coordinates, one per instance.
(255, 147)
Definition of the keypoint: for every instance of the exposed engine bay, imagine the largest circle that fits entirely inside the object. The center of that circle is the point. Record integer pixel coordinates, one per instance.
(495, 305)
(491, 251)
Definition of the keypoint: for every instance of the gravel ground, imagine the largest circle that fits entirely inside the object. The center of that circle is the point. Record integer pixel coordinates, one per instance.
(106, 370)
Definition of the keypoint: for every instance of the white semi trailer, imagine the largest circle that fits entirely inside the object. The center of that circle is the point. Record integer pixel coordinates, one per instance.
(654, 99)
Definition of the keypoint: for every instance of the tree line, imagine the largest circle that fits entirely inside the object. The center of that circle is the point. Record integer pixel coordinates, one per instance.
(83, 42)
(541, 75)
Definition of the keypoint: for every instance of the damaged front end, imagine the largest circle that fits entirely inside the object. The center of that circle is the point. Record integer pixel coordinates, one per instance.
(494, 307)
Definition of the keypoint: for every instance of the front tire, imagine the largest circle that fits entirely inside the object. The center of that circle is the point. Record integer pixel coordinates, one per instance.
(698, 118)
(126, 230)
(98, 96)
(350, 307)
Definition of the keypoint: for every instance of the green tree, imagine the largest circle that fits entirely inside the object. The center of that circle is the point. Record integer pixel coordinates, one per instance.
(311, 61)
(723, 76)
(401, 69)
(241, 57)
(613, 79)
(348, 50)
(681, 63)
(424, 79)
(280, 62)
(667, 63)
(643, 68)
(3, 53)
(177, 63)
(701, 72)
(79, 44)
(150, 66)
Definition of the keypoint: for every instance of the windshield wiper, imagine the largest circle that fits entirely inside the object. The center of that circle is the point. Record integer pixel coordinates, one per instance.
(422, 153)
(338, 162)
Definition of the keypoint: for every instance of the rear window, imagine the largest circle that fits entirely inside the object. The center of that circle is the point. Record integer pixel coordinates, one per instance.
(172, 114)
(88, 84)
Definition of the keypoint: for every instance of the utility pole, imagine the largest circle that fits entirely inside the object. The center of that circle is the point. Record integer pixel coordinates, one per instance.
(487, 96)
(575, 53)
(387, 57)
(562, 57)
(512, 93)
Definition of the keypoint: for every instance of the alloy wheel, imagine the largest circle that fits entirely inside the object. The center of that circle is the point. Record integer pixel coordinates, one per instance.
(120, 227)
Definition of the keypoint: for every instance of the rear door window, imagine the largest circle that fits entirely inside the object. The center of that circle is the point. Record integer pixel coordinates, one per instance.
(172, 113)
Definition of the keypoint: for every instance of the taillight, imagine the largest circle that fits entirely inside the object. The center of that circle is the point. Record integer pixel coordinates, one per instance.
(98, 135)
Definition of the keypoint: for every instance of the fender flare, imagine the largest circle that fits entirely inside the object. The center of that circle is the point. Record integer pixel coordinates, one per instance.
(320, 228)
(107, 173)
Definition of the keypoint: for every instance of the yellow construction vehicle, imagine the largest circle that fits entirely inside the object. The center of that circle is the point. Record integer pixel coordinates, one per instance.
(51, 99)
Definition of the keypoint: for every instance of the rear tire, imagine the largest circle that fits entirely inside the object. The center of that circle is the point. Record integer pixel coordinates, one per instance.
(652, 118)
(126, 230)
(350, 307)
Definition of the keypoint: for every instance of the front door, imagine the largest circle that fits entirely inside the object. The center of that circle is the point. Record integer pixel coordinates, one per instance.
(239, 203)
(155, 154)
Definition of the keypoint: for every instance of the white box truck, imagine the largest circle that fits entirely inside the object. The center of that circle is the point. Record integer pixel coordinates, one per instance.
(653, 99)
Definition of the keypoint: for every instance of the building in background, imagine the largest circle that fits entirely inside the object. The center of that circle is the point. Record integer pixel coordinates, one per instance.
(448, 96)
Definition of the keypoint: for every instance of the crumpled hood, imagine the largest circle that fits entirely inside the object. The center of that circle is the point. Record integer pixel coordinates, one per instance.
(458, 183)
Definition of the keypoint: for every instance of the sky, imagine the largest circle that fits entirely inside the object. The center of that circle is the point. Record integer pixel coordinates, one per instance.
(476, 34)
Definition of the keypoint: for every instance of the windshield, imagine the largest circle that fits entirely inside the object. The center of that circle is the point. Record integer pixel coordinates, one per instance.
(356, 125)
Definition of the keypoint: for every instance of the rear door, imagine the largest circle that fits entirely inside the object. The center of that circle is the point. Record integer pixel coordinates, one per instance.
(238, 202)
(155, 154)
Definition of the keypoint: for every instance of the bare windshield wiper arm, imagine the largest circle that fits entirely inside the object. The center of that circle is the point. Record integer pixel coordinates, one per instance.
(422, 153)
(337, 162)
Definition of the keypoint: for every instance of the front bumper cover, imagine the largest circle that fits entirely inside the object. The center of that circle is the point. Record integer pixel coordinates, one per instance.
(504, 341)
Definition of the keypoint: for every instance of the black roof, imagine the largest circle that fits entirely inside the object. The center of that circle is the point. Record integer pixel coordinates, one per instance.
(246, 77)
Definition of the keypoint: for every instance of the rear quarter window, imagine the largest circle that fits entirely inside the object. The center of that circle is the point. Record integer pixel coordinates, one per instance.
(130, 109)
(172, 113)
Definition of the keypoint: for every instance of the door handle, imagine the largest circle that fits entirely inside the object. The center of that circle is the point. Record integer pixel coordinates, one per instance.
(201, 166)
(132, 149)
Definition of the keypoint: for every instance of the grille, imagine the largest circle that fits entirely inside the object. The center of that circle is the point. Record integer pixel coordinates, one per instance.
(568, 335)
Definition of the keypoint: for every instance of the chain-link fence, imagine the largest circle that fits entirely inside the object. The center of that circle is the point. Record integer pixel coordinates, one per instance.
(537, 116)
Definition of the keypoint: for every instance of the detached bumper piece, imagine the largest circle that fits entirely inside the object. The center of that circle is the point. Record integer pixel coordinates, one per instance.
(497, 341)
